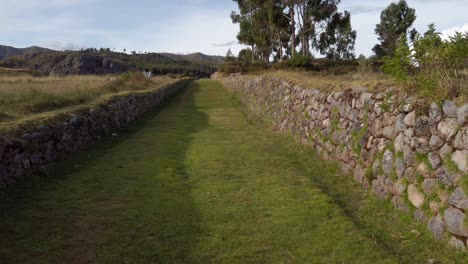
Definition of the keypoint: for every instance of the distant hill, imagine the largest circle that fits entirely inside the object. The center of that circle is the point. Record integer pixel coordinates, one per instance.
(105, 61)
(7, 51)
(197, 57)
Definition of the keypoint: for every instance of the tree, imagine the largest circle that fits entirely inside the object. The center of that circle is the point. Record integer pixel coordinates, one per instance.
(279, 26)
(245, 56)
(230, 56)
(261, 25)
(399, 65)
(338, 39)
(395, 20)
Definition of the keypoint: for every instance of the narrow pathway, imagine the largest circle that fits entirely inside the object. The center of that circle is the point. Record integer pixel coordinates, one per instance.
(193, 183)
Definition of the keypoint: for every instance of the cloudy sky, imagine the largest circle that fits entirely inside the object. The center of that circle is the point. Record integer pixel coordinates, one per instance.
(179, 26)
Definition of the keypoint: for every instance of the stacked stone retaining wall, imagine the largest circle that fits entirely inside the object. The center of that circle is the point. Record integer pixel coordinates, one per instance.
(35, 149)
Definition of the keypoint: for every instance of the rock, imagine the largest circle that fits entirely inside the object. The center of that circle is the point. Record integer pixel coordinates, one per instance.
(399, 187)
(76, 121)
(461, 139)
(410, 119)
(446, 177)
(450, 108)
(389, 132)
(443, 196)
(434, 160)
(423, 170)
(18, 159)
(409, 132)
(364, 99)
(399, 143)
(437, 228)
(464, 132)
(414, 196)
(460, 158)
(387, 162)
(388, 119)
(458, 142)
(409, 157)
(3, 172)
(400, 204)
(429, 185)
(435, 113)
(458, 199)
(423, 126)
(410, 174)
(378, 187)
(434, 207)
(380, 143)
(422, 145)
(454, 220)
(360, 176)
(376, 127)
(2, 149)
(400, 125)
(462, 114)
(448, 127)
(436, 142)
(419, 216)
(445, 151)
(400, 167)
(456, 243)
(26, 164)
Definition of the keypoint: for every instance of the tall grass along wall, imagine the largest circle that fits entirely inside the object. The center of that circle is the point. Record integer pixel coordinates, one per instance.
(35, 149)
(414, 156)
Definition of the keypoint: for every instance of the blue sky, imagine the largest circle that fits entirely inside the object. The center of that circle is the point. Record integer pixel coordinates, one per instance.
(178, 26)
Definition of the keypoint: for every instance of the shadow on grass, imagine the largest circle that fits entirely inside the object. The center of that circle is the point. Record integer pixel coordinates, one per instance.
(123, 200)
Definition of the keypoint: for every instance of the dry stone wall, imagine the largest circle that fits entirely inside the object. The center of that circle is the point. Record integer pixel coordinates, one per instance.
(36, 149)
(414, 156)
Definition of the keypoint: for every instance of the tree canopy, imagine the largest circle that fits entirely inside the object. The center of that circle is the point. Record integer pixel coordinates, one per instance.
(395, 20)
(280, 27)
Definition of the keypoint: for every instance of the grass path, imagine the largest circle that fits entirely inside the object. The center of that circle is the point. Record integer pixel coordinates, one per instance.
(199, 182)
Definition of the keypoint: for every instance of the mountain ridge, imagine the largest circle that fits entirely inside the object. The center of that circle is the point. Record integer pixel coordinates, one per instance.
(196, 57)
(9, 51)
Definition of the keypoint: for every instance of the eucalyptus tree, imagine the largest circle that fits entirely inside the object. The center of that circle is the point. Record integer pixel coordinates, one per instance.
(395, 20)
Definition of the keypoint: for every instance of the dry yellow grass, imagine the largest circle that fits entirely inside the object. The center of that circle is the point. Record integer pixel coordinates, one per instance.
(24, 97)
(371, 81)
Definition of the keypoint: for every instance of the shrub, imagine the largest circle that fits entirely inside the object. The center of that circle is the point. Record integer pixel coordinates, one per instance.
(299, 60)
(432, 67)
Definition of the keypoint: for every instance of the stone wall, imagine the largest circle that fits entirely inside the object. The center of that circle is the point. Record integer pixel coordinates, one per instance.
(37, 148)
(413, 155)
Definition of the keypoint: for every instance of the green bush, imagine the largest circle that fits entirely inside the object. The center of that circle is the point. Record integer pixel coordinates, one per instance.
(432, 67)
(299, 60)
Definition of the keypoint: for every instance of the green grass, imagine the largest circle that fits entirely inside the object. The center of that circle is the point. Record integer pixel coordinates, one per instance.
(203, 182)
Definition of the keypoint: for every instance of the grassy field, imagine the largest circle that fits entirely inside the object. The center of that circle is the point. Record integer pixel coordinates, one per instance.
(25, 96)
(202, 182)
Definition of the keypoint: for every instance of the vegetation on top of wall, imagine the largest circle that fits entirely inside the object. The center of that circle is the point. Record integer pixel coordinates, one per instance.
(431, 66)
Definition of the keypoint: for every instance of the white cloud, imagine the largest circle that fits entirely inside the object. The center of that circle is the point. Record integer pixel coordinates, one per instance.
(63, 45)
(227, 44)
(451, 31)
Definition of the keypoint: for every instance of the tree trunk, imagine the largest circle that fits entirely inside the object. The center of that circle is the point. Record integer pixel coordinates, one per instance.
(293, 30)
(253, 53)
